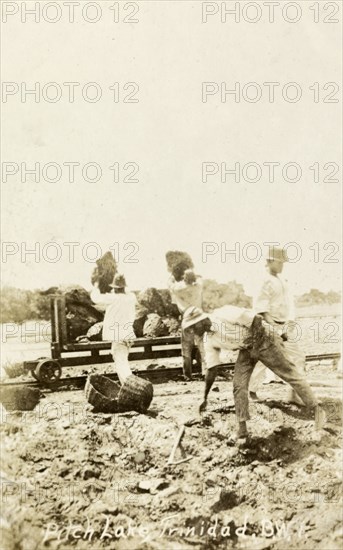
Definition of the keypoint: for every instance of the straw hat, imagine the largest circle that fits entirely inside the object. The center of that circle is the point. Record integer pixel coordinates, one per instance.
(192, 316)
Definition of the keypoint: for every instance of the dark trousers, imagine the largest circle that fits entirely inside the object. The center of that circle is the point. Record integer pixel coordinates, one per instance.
(188, 342)
(269, 349)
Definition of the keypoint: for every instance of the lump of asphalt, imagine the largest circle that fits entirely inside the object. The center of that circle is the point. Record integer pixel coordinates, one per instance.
(154, 326)
(174, 257)
(104, 272)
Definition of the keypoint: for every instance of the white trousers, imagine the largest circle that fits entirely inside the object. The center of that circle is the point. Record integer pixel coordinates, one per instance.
(120, 353)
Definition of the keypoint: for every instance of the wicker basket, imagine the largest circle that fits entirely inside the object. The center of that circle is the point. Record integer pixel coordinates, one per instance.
(19, 398)
(135, 395)
(102, 393)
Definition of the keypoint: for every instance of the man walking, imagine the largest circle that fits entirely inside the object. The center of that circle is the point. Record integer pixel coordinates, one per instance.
(120, 311)
(233, 328)
(276, 305)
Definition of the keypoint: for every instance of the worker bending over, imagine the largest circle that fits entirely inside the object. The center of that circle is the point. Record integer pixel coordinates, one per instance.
(234, 328)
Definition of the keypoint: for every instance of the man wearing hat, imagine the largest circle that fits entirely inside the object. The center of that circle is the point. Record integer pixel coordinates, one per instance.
(120, 311)
(275, 304)
(234, 328)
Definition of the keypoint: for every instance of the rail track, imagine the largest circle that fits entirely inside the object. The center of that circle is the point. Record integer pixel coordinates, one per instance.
(158, 375)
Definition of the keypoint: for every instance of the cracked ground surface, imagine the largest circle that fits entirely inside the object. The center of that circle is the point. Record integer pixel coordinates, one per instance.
(74, 479)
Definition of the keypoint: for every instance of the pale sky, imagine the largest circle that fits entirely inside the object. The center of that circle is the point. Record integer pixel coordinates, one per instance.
(169, 133)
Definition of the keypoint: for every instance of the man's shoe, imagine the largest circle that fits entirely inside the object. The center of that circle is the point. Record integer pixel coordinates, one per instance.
(319, 417)
(254, 397)
(242, 433)
(203, 406)
(238, 440)
(294, 399)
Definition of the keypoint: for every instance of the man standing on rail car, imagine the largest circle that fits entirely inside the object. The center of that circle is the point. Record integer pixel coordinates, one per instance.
(275, 304)
(186, 291)
(119, 307)
(234, 328)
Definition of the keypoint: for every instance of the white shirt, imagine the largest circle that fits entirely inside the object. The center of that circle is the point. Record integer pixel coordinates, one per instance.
(233, 315)
(119, 316)
(230, 327)
(275, 298)
(186, 295)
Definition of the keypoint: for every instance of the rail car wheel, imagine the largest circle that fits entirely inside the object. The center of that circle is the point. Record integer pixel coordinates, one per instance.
(47, 371)
(33, 370)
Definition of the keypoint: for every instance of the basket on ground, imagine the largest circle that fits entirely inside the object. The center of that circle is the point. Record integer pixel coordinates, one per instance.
(102, 393)
(135, 394)
(20, 398)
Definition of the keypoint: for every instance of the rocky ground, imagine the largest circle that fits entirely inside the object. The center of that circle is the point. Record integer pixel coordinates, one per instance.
(74, 479)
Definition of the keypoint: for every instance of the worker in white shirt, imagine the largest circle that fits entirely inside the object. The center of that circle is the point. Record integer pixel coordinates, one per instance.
(234, 328)
(120, 311)
(276, 306)
(186, 290)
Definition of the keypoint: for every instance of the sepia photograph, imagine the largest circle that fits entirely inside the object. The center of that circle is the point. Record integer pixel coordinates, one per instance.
(171, 288)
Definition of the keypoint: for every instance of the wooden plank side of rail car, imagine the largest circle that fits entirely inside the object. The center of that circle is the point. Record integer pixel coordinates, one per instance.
(154, 354)
(81, 360)
(136, 343)
(88, 353)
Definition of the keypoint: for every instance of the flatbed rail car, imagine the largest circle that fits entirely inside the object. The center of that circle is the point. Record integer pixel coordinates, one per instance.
(48, 370)
(69, 354)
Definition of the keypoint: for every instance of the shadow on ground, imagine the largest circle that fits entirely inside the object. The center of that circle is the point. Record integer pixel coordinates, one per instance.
(332, 406)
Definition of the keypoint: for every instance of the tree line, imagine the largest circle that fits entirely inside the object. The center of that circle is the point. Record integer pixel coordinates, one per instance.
(18, 305)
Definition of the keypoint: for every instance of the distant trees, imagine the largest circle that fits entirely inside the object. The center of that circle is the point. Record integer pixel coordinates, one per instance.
(18, 305)
(316, 297)
(221, 294)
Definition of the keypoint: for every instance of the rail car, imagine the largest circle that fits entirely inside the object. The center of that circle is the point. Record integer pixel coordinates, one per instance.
(68, 354)
(48, 370)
